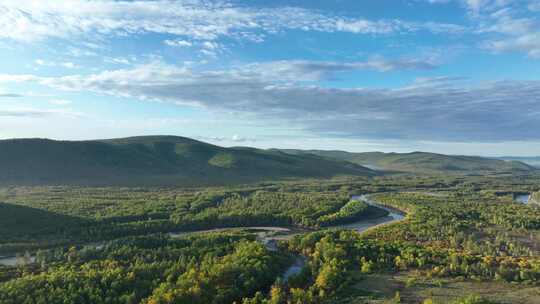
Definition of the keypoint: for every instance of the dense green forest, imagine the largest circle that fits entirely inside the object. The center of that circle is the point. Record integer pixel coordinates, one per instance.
(179, 161)
(155, 161)
(35, 217)
(218, 268)
(424, 162)
(464, 240)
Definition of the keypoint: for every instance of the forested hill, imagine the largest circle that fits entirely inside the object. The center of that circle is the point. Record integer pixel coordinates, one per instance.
(154, 160)
(531, 160)
(423, 162)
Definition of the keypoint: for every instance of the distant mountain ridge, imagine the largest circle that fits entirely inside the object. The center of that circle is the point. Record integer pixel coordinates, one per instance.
(423, 162)
(155, 160)
(529, 160)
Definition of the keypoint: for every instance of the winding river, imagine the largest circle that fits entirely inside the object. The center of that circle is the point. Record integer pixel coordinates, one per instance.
(359, 226)
(14, 261)
(269, 235)
(363, 225)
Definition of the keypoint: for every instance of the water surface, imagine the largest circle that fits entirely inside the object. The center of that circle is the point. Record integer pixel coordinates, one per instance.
(522, 198)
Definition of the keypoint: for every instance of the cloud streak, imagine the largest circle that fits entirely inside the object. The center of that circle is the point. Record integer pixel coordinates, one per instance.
(501, 25)
(306, 70)
(504, 25)
(30, 20)
(10, 95)
(27, 112)
(509, 28)
(439, 109)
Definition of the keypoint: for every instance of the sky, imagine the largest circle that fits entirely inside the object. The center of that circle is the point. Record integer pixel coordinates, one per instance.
(447, 76)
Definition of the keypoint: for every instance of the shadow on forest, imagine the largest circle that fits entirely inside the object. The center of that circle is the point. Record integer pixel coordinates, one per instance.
(22, 222)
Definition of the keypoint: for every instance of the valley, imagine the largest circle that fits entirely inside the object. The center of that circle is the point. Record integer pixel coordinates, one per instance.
(336, 240)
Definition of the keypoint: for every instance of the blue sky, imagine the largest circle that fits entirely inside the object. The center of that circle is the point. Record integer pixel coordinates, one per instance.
(449, 76)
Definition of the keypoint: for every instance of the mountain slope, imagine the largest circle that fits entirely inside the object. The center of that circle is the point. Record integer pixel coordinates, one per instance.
(532, 161)
(423, 162)
(154, 160)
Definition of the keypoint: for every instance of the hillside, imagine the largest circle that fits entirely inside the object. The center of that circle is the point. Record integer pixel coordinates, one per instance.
(532, 160)
(154, 160)
(423, 162)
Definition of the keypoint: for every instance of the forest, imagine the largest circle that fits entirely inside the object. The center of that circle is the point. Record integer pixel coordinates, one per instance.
(156, 245)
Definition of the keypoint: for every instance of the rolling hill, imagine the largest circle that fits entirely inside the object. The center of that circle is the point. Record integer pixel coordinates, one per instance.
(532, 160)
(155, 160)
(423, 162)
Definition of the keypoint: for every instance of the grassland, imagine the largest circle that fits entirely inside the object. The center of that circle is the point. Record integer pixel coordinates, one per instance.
(414, 287)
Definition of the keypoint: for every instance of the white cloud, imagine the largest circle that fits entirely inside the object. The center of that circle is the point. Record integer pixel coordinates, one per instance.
(365, 26)
(529, 43)
(18, 78)
(235, 139)
(512, 29)
(67, 65)
(238, 138)
(211, 48)
(305, 70)
(30, 112)
(501, 25)
(440, 109)
(79, 52)
(10, 95)
(118, 60)
(476, 5)
(60, 102)
(210, 45)
(178, 43)
(30, 20)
